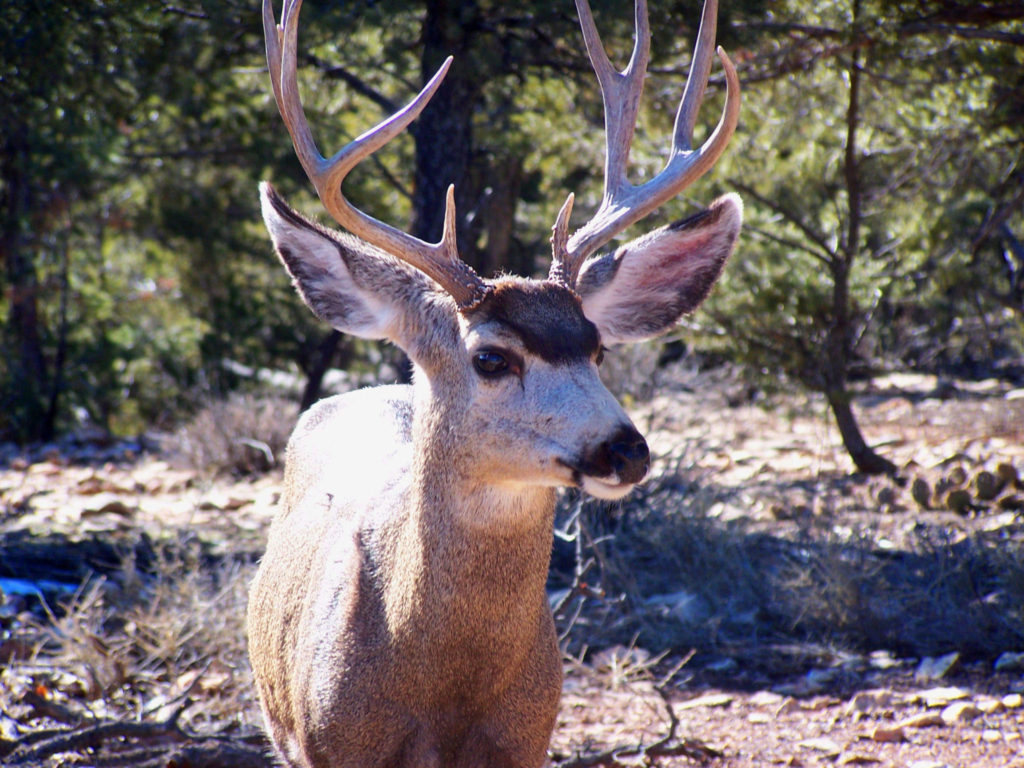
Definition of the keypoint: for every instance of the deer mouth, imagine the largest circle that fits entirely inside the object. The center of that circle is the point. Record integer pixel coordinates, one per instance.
(602, 488)
(607, 487)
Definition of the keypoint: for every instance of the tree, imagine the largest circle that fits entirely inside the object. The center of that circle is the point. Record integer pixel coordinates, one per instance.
(66, 93)
(853, 155)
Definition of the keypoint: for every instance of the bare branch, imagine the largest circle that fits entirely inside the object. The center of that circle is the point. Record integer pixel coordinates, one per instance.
(793, 218)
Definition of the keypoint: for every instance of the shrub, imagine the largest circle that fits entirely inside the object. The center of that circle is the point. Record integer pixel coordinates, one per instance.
(242, 435)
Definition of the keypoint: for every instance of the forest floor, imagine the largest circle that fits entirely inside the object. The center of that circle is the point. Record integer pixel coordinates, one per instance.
(770, 606)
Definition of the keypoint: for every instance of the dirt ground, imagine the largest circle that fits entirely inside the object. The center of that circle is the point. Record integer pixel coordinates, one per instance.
(781, 469)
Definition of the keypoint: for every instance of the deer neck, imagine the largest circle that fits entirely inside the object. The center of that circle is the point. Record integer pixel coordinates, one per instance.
(473, 554)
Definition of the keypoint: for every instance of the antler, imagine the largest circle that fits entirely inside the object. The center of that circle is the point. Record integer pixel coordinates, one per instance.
(440, 260)
(623, 204)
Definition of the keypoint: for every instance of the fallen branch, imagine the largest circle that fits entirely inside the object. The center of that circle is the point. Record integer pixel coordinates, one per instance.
(157, 744)
(633, 755)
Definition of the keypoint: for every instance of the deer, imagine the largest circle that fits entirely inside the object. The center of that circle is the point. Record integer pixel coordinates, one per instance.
(399, 616)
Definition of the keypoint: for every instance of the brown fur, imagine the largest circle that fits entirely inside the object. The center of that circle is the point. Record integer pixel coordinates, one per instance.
(406, 638)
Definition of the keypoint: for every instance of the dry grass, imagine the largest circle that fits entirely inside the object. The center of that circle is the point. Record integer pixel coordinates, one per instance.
(780, 572)
(662, 572)
(141, 645)
(242, 435)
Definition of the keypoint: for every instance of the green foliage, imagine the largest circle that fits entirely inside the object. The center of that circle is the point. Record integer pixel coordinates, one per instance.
(936, 160)
(133, 136)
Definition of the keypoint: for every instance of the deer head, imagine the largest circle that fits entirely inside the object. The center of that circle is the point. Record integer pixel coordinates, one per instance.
(520, 354)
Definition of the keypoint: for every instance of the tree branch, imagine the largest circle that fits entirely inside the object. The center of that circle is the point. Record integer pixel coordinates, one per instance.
(356, 83)
(811, 234)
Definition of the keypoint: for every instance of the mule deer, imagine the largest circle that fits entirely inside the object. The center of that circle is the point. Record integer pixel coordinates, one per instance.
(399, 616)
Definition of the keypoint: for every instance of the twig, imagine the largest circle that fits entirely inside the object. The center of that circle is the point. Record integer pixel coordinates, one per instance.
(89, 737)
(52, 709)
(174, 745)
(646, 754)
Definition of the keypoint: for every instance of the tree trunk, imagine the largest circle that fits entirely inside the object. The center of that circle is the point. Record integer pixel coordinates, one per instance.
(444, 131)
(839, 339)
(321, 361)
(863, 456)
(497, 216)
(26, 377)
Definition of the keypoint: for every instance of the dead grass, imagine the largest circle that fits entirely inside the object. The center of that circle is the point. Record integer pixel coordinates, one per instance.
(242, 435)
(783, 567)
(661, 572)
(139, 645)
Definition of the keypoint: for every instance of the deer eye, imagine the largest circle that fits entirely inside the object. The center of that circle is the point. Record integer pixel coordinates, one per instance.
(600, 356)
(490, 363)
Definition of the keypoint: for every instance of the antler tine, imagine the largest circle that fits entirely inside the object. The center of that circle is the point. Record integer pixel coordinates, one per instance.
(697, 79)
(624, 204)
(440, 260)
(620, 91)
(561, 268)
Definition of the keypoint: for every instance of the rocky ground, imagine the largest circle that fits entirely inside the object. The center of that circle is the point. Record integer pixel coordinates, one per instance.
(779, 471)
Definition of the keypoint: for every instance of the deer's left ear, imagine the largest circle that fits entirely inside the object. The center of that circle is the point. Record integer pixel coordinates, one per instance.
(642, 289)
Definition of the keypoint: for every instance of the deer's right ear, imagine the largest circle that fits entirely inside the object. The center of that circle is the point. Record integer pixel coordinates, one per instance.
(347, 283)
(641, 290)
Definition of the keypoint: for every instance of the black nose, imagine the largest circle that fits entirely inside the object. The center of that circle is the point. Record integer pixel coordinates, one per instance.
(629, 456)
(624, 454)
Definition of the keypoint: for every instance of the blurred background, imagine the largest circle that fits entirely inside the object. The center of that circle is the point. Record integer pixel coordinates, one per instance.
(879, 154)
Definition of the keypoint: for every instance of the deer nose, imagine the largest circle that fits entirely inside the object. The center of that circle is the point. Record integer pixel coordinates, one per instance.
(629, 456)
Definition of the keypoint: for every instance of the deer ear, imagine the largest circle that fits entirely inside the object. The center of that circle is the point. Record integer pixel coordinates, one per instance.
(346, 282)
(641, 290)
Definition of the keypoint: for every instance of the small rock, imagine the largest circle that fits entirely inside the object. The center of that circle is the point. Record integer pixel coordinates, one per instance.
(819, 703)
(788, 706)
(940, 697)
(887, 496)
(987, 485)
(882, 660)
(858, 758)
(959, 712)
(921, 492)
(765, 699)
(221, 503)
(922, 720)
(936, 668)
(870, 701)
(959, 500)
(823, 744)
(990, 706)
(1009, 661)
(1000, 522)
(1011, 502)
(759, 718)
(1008, 473)
(106, 503)
(888, 734)
(710, 700)
(1012, 701)
(957, 476)
(991, 735)
(819, 679)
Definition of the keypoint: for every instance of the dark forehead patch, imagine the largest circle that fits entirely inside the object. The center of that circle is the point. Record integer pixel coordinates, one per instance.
(546, 316)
